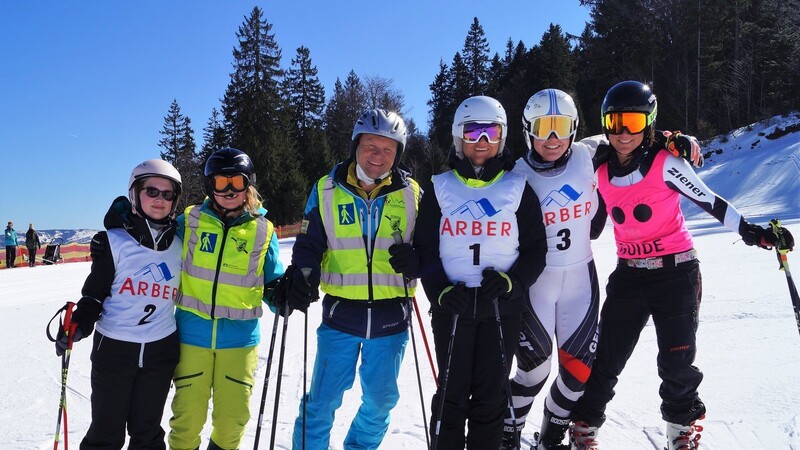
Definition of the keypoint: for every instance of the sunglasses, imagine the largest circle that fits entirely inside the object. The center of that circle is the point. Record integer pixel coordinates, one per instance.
(543, 127)
(235, 183)
(471, 132)
(154, 193)
(634, 122)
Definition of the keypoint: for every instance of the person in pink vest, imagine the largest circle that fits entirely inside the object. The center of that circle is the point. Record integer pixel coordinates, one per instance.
(658, 273)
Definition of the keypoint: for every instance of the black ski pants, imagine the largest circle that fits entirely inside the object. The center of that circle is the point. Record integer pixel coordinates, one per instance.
(32, 256)
(130, 383)
(11, 256)
(476, 388)
(672, 297)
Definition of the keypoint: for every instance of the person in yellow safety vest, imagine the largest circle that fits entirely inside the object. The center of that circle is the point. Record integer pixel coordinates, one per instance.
(353, 219)
(230, 265)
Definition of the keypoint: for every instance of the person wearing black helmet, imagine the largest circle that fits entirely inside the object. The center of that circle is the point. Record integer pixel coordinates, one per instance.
(230, 266)
(354, 246)
(658, 272)
(128, 298)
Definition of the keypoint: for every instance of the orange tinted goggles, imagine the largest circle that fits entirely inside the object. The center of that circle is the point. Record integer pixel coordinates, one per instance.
(235, 183)
(634, 122)
(543, 127)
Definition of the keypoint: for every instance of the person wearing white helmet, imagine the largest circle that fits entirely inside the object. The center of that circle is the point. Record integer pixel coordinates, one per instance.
(129, 298)
(354, 245)
(481, 241)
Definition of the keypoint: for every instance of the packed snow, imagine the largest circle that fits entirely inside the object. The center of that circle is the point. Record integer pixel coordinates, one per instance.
(748, 339)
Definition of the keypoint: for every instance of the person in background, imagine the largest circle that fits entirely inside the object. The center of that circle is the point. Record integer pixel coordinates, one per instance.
(658, 272)
(129, 297)
(354, 244)
(11, 246)
(32, 244)
(482, 244)
(230, 266)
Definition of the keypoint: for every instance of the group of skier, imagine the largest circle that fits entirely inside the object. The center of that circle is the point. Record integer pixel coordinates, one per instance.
(501, 247)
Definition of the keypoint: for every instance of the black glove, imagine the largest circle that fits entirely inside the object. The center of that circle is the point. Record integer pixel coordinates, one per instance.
(495, 285)
(685, 147)
(296, 290)
(454, 299)
(766, 237)
(404, 260)
(98, 245)
(86, 313)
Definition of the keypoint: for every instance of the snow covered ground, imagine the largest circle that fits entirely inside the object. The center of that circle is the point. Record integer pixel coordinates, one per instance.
(748, 340)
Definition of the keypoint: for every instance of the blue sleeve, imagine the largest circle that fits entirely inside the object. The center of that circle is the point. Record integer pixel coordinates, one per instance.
(181, 225)
(273, 267)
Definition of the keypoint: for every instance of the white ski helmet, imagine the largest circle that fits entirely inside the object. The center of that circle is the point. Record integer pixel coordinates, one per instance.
(481, 109)
(382, 123)
(154, 168)
(549, 102)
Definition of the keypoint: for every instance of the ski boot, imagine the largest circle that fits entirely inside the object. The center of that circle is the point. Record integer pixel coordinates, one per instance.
(683, 437)
(554, 429)
(510, 437)
(582, 436)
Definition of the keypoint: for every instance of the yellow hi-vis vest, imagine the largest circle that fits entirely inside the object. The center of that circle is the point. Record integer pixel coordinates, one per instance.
(223, 269)
(359, 270)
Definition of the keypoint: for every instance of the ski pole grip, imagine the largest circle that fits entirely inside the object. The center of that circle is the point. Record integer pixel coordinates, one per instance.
(398, 237)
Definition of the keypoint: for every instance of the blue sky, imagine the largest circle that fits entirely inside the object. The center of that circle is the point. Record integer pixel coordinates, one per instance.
(86, 84)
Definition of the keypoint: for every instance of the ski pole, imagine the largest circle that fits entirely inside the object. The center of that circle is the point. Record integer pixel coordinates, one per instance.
(781, 251)
(495, 303)
(69, 330)
(306, 273)
(445, 376)
(425, 341)
(266, 379)
(280, 375)
(398, 239)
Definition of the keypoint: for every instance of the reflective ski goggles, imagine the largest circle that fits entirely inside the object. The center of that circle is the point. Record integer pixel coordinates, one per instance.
(635, 122)
(235, 183)
(542, 127)
(154, 193)
(471, 132)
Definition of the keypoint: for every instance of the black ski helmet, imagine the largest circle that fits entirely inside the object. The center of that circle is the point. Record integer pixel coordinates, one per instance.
(228, 161)
(630, 96)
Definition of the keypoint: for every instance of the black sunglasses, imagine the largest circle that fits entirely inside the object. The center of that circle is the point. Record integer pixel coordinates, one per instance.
(154, 193)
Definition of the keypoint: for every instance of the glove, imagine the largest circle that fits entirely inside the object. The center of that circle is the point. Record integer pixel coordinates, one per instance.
(766, 237)
(454, 299)
(495, 284)
(296, 290)
(685, 147)
(86, 313)
(98, 245)
(404, 260)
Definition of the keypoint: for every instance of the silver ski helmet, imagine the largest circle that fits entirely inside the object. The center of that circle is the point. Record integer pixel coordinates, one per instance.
(549, 102)
(381, 123)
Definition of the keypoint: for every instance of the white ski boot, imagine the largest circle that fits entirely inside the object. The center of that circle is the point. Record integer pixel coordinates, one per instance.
(582, 436)
(683, 437)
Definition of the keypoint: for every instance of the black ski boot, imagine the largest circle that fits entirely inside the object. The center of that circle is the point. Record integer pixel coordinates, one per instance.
(510, 437)
(554, 429)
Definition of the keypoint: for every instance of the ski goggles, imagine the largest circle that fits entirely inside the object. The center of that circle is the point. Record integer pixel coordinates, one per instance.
(543, 127)
(635, 122)
(471, 132)
(154, 193)
(235, 183)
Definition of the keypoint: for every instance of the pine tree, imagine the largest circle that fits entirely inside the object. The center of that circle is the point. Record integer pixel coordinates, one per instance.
(475, 55)
(213, 137)
(307, 103)
(256, 116)
(345, 106)
(180, 151)
(441, 112)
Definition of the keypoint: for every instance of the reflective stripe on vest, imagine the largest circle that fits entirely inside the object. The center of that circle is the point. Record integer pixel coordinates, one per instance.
(345, 270)
(223, 270)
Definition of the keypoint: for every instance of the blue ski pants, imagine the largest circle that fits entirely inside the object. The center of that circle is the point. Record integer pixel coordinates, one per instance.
(334, 373)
